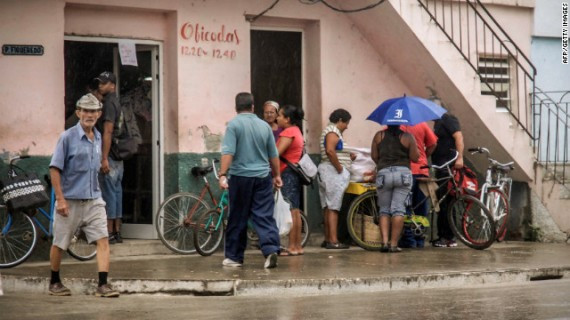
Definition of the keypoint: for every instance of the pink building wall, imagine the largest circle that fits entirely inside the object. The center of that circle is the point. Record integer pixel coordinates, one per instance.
(198, 91)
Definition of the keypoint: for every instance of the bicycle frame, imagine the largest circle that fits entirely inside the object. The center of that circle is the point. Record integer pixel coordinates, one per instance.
(49, 231)
(442, 182)
(222, 206)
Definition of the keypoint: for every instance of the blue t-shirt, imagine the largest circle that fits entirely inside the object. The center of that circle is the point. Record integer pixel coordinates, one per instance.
(251, 143)
(79, 160)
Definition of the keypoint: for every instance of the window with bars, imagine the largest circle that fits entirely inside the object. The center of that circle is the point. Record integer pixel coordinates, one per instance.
(495, 79)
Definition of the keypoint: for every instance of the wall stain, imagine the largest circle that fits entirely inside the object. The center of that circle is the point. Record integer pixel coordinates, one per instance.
(212, 141)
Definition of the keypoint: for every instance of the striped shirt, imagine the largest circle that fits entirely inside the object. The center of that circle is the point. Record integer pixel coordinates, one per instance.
(342, 155)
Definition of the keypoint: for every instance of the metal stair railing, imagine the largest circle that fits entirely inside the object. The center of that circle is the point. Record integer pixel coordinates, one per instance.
(552, 128)
(482, 42)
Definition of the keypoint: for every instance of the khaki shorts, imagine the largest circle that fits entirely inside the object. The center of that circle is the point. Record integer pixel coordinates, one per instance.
(88, 214)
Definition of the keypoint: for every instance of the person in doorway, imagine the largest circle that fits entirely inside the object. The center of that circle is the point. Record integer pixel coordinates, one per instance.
(112, 170)
(73, 168)
(392, 150)
(290, 147)
(333, 174)
(426, 141)
(450, 139)
(248, 154)
(270, 111)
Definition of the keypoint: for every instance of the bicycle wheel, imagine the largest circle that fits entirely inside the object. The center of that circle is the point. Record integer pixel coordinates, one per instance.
(79, 248)
(360, 221)
(208, 232)
(305, 232)
(497, 203)
(175, 221)
(18, 237)
(471, 222)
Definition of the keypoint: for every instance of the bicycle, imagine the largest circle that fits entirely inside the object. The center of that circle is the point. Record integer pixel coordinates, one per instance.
(495, 193)
(19, 231)
(210, 225)
(470, 221)
(175, 220)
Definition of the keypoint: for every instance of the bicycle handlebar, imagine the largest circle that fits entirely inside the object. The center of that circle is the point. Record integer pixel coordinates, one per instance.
(214, 161)
(16, 158)
(495, 163)
(443, 166)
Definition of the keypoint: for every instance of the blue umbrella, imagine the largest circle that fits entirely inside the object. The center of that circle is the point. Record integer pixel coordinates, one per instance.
(406, 110)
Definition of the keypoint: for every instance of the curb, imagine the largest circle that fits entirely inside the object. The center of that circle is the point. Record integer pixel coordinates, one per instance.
(293, 287)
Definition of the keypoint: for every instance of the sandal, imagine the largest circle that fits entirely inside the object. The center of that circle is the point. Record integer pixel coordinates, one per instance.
(395, 249)
(287, 253)
(337, 245)
(384, 248)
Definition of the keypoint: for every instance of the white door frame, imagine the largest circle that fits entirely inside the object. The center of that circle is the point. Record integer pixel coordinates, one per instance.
(146, 231)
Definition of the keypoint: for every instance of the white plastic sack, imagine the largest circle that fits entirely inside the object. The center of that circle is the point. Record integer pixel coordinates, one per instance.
(282, 214)
(363, 168)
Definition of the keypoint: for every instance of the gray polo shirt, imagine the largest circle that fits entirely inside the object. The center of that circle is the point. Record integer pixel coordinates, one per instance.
(251, 143)
(79, 160)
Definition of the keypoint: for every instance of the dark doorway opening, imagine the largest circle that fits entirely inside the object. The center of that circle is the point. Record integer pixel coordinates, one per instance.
(84, 61)
(276, 61)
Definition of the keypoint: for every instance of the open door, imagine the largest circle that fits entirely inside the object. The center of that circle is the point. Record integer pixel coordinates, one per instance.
(138, 86)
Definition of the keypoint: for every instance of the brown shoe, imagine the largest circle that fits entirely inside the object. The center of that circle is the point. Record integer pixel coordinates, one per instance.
(106, 291)
(58, 289)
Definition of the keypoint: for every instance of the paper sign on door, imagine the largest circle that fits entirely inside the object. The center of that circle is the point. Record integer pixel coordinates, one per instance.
(128, 53)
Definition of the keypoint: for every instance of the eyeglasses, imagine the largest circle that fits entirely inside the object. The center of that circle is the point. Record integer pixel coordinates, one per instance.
(270, 112)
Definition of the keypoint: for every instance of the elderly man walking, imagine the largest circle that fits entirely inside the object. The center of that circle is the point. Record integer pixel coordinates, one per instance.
(73, 168)
(248, 154)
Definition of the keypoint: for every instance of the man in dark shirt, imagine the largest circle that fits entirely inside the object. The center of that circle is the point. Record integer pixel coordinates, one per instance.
(448, 132)
(112, 170)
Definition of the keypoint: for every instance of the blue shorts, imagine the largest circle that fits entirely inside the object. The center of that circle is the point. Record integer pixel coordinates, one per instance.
(112, 190)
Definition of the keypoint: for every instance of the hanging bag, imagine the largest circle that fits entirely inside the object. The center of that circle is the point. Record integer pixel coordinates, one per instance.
(282, 214)
(466, 179)
(305, 168)
(24, 191)
(303, 177)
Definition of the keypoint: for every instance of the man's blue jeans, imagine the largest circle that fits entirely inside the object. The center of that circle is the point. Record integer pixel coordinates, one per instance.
(112, 189)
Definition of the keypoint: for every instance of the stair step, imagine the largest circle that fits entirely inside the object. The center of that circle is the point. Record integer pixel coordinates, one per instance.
(136, 247)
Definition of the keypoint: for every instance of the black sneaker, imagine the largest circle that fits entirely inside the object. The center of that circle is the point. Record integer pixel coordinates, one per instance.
(118, 237)
(112, 239)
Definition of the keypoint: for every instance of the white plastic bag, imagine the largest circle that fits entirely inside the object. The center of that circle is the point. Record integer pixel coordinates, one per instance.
(363, 168)
(282, 214)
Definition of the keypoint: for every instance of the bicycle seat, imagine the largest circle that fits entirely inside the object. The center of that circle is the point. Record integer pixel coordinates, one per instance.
(506, 167)
(201, 171)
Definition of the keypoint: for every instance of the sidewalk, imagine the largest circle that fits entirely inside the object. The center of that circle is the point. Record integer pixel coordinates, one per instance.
(319, 271)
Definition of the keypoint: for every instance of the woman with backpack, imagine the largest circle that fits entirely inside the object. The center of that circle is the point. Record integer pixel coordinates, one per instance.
(290, 146)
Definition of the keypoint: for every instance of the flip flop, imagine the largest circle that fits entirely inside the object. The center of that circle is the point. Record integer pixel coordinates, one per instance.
(284, 253)
(287, 253)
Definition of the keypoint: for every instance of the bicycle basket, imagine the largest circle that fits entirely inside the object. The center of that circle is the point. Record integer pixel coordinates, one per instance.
(23, 192)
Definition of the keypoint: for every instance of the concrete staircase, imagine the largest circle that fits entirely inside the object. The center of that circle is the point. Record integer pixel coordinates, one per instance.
(403, 33)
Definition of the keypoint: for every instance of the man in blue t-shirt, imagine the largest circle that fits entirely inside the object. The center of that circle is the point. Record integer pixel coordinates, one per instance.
(248, 155)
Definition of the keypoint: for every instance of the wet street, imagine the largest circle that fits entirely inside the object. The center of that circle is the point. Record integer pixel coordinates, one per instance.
(535, 300)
